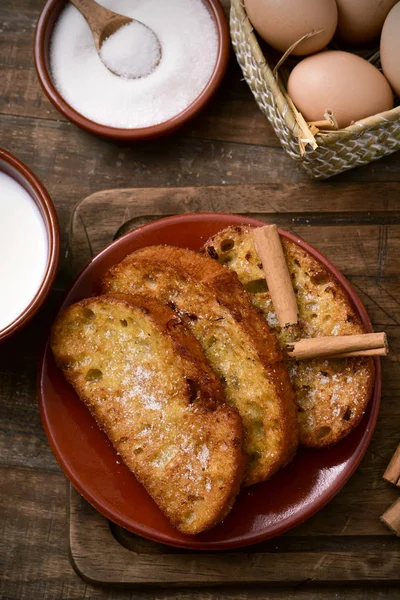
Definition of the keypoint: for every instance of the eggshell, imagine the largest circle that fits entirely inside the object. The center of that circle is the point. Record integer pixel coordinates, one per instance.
(390, 48)
(361, 20)
(281, 23)
(340, 81)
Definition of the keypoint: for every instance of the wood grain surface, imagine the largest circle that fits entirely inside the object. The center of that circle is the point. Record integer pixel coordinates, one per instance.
(104, 554)
(227, 146)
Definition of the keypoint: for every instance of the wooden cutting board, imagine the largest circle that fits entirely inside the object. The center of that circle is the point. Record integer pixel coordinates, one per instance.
(358, 228)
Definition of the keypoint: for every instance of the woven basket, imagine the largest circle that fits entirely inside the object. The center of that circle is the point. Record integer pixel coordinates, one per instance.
(322, 154)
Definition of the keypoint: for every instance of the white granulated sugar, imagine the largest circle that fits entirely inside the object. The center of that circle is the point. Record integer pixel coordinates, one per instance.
(272, 319)
(132, 51)
(151, 402)
(335, 397)
(137, 384)
(204, 455)
(189, 43)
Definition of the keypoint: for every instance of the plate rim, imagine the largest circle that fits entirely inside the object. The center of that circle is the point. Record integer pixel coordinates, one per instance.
(305, 512)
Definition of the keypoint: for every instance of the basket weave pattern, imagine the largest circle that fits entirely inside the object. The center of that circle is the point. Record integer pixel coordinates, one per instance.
(359, 144)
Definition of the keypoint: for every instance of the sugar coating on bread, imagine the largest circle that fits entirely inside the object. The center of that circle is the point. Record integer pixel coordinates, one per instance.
(146, 382)
(331, 395)
(235, 339)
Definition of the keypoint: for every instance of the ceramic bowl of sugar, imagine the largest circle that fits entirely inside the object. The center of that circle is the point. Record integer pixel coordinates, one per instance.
(194, 40)
(29, 244)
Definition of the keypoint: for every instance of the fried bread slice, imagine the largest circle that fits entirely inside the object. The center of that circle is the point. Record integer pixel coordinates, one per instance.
(235, 339)
(331, 395)
(145, 380)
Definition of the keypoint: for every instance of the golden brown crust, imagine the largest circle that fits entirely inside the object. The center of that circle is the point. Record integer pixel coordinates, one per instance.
(331, 394)
(146, 382)
(241, 349)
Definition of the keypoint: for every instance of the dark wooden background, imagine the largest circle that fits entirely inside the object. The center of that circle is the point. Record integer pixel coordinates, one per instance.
(230, 143)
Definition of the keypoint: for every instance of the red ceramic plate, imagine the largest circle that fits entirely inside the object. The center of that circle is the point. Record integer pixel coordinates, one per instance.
(92, 465)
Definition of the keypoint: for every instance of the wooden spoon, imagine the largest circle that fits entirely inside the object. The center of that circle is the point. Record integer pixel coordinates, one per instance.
(103, 23)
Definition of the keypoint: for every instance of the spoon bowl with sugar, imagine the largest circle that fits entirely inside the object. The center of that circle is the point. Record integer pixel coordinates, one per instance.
(126, 46)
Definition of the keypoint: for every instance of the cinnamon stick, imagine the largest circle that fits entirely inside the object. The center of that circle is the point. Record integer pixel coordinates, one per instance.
(270, 251)
(372, 352)
(392, 473)
(391, 517)
(339, 346)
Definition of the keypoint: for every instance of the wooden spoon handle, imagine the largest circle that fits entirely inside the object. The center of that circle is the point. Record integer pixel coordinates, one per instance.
(102, 22)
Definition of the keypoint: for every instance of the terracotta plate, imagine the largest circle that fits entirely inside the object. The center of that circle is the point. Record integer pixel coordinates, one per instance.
(93, 467)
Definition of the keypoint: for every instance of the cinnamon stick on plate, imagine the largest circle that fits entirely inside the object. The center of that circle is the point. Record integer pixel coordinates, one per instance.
(371, 352)
(340, 346)
(392, 473)
(269, 248)
(391, 517)
(270, 251)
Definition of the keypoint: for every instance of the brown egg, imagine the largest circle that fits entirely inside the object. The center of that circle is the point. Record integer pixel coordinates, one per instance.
(390, 48)
(362, 20)
(281, 23)
(339, 81)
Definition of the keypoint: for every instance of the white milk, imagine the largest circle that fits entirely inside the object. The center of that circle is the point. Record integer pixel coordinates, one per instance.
(23, 249)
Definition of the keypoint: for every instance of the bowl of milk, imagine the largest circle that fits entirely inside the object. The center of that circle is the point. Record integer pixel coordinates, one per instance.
(29, 244)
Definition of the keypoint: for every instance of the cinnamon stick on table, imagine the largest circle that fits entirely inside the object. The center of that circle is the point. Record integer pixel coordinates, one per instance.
(270, 251)
(391, 517)
(340, 346)
(392, 473)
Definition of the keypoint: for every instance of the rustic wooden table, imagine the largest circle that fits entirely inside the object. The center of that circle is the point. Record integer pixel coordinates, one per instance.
(229, 144)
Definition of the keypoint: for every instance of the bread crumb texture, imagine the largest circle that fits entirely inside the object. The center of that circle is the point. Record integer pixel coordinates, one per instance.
(331, 395)
(143, 378)
(242, 351)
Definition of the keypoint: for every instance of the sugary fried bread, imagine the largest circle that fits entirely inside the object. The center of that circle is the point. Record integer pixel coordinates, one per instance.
(144, 378)
(241, 349)
(331, 394)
